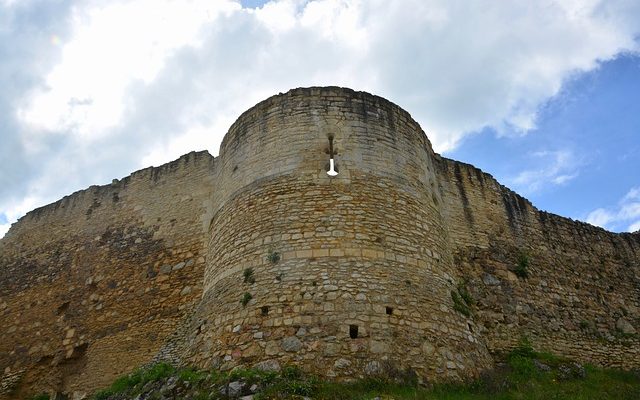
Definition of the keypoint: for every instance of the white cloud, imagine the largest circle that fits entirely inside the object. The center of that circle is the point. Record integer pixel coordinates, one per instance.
(600, 217)
(15, 211)
(106, 87)
(196, 137)
(632, 195)
(624, 216)
(111, 47)
(459, 66)
(554, 168)
(4, 228)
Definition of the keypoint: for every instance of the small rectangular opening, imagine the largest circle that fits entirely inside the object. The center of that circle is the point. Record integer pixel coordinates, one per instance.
(264, 310)
(333, 170)
(353, 331)
(389, 310)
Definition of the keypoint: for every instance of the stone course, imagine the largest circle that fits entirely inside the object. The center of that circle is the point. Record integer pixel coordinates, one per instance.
(404, 262)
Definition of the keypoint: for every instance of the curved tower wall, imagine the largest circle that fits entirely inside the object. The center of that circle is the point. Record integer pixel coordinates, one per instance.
(345, 275)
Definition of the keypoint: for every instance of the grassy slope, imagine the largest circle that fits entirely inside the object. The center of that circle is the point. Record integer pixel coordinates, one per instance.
(524, 375)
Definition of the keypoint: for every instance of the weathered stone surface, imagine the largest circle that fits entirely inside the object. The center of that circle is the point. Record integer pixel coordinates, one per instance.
(427, 348)
(233, 389)
(373, 368)
(362, 267)
(178, 266)
(541, 366)
(378, 347)
(489, 279)
(272, 348)
(625, 326)
(291, 343)
(268, 366)
(86, 270)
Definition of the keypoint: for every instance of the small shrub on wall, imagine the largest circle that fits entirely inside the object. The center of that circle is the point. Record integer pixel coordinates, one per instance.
(246, 298)
(522, 267)
(273, 256)
(248, 276)
(462, 300)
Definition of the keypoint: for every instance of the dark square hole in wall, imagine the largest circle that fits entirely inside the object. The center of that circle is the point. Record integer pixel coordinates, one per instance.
(353, 331)
(63, 308)
(264, 310)
(389, 310)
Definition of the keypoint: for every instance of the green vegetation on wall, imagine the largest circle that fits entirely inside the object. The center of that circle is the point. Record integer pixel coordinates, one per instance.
(525, 375)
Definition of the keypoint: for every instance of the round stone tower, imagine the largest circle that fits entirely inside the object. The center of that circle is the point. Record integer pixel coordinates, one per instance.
(326, 246)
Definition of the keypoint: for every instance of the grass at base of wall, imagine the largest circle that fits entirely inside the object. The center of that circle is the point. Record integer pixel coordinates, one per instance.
(524, 375)
(598, 384)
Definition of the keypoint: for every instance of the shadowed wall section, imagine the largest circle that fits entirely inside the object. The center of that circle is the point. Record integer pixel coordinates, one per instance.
(581, 298)
(92, 285)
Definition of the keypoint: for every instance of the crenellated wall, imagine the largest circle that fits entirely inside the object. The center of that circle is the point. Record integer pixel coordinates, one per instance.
(258, 257)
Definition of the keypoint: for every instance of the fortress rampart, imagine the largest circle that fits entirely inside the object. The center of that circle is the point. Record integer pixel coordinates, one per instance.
(92, 285)
(258, 256)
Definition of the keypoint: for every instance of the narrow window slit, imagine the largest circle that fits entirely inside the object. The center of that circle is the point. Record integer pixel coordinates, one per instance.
(332, 166)
(353, 331)
(264, 310)
(389, 310)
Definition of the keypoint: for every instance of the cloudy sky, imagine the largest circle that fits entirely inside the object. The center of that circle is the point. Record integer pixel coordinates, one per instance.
(544, 95)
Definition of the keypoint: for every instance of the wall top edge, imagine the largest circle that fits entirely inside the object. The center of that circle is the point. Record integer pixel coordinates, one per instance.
(482, 177)
(317, 91)
(153, 173)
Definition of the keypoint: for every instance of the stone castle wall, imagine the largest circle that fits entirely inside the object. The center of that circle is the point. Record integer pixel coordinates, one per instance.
(91, 286)
(582, 296)
(259, 256)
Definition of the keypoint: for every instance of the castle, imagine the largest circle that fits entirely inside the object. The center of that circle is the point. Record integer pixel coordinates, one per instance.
(327, 234)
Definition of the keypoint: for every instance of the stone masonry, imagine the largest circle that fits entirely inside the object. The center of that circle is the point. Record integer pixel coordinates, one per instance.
(404, 262)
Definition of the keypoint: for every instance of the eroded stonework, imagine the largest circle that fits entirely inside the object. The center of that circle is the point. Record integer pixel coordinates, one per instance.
(259, 257)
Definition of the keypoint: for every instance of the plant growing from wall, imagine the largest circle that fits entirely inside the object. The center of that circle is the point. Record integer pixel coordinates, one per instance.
(273, 256)
(462, 300)
(522, 267)
(248, 276)
(246, 298)
(524, 348)
(466, 296)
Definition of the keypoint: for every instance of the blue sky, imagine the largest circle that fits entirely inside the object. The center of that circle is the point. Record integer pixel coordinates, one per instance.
(588, 136)
(542, 95)
(253, 3)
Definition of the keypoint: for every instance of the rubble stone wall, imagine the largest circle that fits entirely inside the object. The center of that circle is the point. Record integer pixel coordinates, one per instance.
(582, 294)
(91, 286)
(259, 257)
(364, 251)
